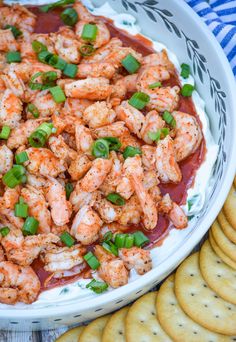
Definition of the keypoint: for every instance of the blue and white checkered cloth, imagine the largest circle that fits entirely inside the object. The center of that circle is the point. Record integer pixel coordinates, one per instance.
(220, 16)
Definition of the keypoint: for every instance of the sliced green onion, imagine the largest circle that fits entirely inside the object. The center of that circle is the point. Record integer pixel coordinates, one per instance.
(89, 32)
(131, 64)
(120, 240)
(129, 241)
(154, 85)
(169, 119)
(35, 86)
(14, 177)
(67, 239)
(110, 247)
(21, 157)
(30, 226)
(69, 188)
(5, 132)
(160, 134)
(45, 56)
(57, 94)
(37, 139)
(107, 237)
(60, 3)
(131, 151)
(97, 286)
(187, 90)
(114, 143)
(185, 70)
(49, 76)
(15, 31)
(86, 50)
(140, 239)
(46, 128)
(69, 16)
(13, 57)
(21, 208)
(57, 62)
(139, 100)
(70, 70)
(38, 46)
(33, 110)
(4, 231)
(100, 149)
(91, 260)
(115, 199)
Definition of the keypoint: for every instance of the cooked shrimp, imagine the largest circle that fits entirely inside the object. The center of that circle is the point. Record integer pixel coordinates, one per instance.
(63, 258)
(66, 45)
(159, 58)
(86, 225)
(75, 107)
(12, 218)
(148, 156)
(45, 104)
(96, 175)
(84, 140)
(89, 88)
(18, 284)
(166, 164)
(38, 207)
(131, 212)
(99, 114)
(124, 85)
(116, 129)
(153, 122)
(102, 37)
(10, 109)
(136, 258)
(14, 83)
(18, 16)
(2, 254)
(107, 211)
(42, 161)
(151, 74)
(164, 98)
(103, 53)
(188, 135)
(133, 118)
(114, 177)
(112, 270)
(60, 207)
(173, 211)
(79, 166)
(82, 11)
(80, 198)
(61, 150)
(7, 41)
(6, 159)
(99, 69)
(10, 198)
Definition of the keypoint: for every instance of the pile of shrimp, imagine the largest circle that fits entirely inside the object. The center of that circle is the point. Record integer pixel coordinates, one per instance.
(96, 106)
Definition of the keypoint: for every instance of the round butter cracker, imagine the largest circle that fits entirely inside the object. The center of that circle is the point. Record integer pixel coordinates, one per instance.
(226, 227)
(229, 207)
(179, 326)
(114, 330)
(220, 253)
(141, 322)
(93, 332)
(228, 247)
(201, 303)
(219, 276)
(71, 335)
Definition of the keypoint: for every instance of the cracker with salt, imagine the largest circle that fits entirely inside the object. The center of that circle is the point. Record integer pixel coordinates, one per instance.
(71, 335)
(228, 247)
(179, 326)
(229, 207)
(201, 303)
(220, 253)
(220, 277)
(114, 330)
(93, 332)
(141, 323)
(228, 230)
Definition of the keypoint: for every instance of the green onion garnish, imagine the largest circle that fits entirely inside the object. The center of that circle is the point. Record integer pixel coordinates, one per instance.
(131, 64)
(14, 177)
(21, 208)
(100, 149)
(140, 239)
(15, 31)
(38, 46)
(129, 241)
(69, 16)
(114, 143)
(110, 247)
(30, 226)
(139, 100)
(154, 85)
(120, 240)
(21, 157)
(89, 32)
(5, 132)
(67, 239)
(57, 62)
(33, 110)
(86, 50)
(97, 286)
(115, 199)
(60, 3)
(49, 76)
(108, 236)
(69, 188)
(46, 128)
(169, 119)
(57, 94)
(37, 139)
(44, 56)
(70, 70)
(131, 151)
(187, 90)
(4, 231)
(13, 57)
(91, 260)
(160, 134)
(185, 70)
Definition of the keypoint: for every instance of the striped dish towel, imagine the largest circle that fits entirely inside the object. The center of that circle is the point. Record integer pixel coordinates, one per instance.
(220, 16)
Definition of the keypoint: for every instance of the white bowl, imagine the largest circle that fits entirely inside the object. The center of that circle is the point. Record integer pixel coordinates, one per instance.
(181, 30)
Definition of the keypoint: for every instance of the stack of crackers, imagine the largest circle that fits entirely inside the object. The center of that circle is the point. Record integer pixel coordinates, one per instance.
(196, 304)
